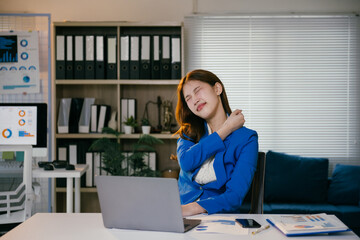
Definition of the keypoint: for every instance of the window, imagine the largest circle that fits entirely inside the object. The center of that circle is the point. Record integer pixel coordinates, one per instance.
(296, 78)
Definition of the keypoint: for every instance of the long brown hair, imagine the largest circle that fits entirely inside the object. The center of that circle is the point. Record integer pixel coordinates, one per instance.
(192, 126)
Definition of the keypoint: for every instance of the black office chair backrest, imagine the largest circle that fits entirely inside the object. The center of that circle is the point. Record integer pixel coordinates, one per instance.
(257, 189)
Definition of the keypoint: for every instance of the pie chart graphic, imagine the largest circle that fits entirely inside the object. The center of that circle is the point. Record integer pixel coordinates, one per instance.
(21, 113)
(6, 133)
(21, 122)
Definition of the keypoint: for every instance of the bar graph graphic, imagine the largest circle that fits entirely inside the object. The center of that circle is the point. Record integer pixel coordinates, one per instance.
(8, 49)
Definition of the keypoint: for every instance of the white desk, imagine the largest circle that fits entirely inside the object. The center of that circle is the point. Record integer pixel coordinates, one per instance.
(80, 169)
(89, 226)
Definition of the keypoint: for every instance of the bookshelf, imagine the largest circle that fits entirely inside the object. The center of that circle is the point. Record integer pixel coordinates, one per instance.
(111, 91)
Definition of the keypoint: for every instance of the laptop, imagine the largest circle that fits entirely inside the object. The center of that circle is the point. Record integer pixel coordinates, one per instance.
(142, 203)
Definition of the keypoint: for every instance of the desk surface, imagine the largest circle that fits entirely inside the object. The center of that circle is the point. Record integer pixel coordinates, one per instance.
(89, 226)
(60, 172)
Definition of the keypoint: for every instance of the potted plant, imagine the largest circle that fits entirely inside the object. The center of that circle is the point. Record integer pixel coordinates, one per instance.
(130, 125)
(145, 126)
(116, 161)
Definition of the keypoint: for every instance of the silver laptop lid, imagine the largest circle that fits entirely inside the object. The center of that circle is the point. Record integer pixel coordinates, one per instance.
(140, 203)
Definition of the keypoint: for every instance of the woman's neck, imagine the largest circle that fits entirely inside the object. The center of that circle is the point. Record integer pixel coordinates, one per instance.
(218, 120)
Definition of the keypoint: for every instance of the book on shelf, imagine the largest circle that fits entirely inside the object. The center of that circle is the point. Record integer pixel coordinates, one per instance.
(294, 225)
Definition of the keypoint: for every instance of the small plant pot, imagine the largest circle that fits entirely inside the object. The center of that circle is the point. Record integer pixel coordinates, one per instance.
(128, 129)
(146, 129)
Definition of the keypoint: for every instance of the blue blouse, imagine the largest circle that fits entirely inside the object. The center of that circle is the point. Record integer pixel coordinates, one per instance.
(234, 165)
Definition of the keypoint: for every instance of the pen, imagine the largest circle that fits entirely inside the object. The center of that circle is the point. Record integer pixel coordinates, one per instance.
(260, 229)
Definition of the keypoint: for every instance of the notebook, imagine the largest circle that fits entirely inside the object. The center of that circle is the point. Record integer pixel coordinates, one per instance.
(142, 203)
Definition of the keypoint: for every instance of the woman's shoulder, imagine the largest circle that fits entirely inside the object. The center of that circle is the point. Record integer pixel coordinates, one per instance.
(244, 132)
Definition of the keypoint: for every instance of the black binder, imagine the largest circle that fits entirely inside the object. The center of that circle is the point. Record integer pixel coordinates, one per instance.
(79, 69)
(155, 57)
(175, 57)
(74, 117)
(69, 63)
(111, 65)
(99, 58)
(90, 57)
(145, 69)
(124, 57)
(60, 57)
(134, 57)
(165, 68)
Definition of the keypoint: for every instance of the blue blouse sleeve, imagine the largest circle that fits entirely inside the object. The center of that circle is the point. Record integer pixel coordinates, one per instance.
(239, 182)
(191, 155)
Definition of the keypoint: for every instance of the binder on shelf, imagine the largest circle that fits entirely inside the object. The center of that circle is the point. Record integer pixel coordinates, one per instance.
(165, 72)
(99, 58)
(145, 69)
(84, 121)
(96, 165)
(124, 113)
(79, 69)
(102, 165)
(89, 57)
(124, 57)
(90, 171)
(132, 107)
(111, 66)
(124, 164)
(150, 160)
(62, 154)
(134, 57)
(104, 117)
(69, 63)
(129, 165)
(128, 109)
(175, 57)
(74, 116)
(60, 57)
(73, 154)
(155, 58)
(63, 117)
(95, 111)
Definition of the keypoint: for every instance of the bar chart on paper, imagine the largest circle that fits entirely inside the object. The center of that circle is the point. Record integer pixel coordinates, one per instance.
(8, 49)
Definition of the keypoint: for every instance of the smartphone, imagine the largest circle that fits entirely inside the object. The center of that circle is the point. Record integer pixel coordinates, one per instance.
(248, 223)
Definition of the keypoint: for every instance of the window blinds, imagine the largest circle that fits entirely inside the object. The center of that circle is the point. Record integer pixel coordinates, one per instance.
(296, 78)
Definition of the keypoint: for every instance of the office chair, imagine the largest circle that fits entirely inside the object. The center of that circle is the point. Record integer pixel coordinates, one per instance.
(257, 188)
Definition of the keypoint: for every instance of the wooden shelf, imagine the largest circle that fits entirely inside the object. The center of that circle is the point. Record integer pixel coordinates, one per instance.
(87, 82)
(116, 82)
(116, 24)
(149, 82)
(122, 136)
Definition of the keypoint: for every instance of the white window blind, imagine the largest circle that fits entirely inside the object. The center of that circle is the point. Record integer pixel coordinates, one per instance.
(296, 78)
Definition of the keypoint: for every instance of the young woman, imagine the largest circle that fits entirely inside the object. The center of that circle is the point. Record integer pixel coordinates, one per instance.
(216, 154)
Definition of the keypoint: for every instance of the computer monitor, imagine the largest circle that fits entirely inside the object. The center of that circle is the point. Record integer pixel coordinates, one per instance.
(14, 121)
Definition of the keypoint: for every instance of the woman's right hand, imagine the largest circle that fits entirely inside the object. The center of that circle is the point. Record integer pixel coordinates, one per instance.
(235, 121)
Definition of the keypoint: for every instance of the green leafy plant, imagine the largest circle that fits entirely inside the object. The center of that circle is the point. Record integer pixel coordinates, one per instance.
(113, 156)
(130, 121)
(145, 122)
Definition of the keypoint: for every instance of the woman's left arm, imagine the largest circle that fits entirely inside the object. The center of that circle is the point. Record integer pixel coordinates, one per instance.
(239, 182)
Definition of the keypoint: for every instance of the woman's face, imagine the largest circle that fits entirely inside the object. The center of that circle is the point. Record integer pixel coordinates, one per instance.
(202, 99)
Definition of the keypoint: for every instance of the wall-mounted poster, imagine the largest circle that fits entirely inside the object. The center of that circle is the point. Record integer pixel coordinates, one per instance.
(19, 62)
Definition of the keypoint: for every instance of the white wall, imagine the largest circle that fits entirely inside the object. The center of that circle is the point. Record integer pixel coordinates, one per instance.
(168, 10)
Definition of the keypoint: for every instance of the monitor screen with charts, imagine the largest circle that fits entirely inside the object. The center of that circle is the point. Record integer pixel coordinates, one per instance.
(18, 125)
(21, 130)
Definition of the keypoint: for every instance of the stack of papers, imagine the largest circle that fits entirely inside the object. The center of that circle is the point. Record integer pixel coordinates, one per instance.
(292, 225)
